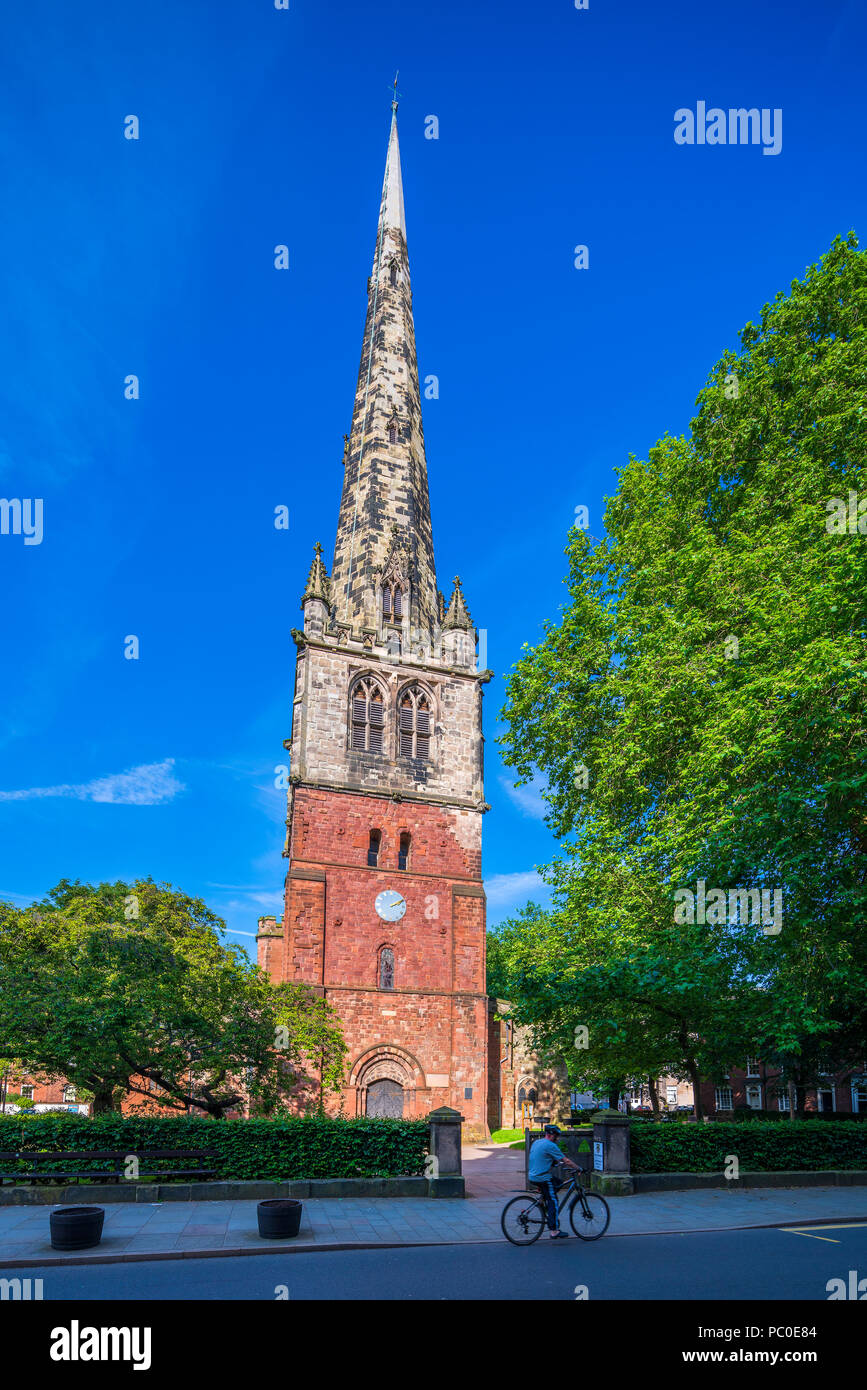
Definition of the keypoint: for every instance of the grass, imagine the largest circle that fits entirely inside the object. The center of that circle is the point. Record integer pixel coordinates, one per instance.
(506, 1136)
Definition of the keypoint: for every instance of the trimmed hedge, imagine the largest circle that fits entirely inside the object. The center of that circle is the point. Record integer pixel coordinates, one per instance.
(309, 1147)
(799, 1145)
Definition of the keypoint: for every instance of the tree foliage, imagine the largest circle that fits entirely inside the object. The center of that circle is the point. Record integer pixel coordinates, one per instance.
(708, 670)
(128, 989)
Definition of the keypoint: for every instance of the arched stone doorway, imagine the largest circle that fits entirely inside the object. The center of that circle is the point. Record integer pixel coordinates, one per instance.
(385, 1098)
(387, 1081)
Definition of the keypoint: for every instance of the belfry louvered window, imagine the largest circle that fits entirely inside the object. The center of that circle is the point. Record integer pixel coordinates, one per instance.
(368, 717)
(392, 433)
(414, 724)
(392, 603)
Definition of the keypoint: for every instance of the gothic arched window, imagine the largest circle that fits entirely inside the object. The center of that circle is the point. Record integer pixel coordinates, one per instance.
(398, 603)
(414, 725)
(386, 602)
(373, 848)
(392, 432)
(386, 968)
(367, 713)
(393, 270)
(403, 851)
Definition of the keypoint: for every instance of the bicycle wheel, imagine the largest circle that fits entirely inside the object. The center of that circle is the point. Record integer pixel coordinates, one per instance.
(589, 1215)
(523, 1219)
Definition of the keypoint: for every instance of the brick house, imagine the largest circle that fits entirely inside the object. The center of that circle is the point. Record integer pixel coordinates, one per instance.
(47, 1093)
(762, 1088)
(384, 905)
(757, 1086)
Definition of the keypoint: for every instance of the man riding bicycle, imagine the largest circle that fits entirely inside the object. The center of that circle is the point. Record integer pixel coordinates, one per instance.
(544, 1153)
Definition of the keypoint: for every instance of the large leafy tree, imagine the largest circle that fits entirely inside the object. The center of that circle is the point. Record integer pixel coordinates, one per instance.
(708, 672)
(128, 989)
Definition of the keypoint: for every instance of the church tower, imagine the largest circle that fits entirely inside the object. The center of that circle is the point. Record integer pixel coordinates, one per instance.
(384, 906)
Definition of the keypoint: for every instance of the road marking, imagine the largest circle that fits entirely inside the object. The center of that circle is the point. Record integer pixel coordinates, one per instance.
(809, 1236)
(808, 1230)
(841, 1226)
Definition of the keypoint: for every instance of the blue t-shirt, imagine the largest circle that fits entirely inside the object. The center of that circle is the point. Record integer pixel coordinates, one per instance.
(543, 1155)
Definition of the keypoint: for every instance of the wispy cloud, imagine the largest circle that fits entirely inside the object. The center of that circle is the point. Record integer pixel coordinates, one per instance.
(508, 891)
(151, 784)
(26, 898)
(237, 887)
(246, 902)
(528, 798)
(269, 899)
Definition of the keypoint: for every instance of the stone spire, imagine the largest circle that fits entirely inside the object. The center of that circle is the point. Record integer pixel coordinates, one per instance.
(457, 614)
(385, 487)
(318, 584)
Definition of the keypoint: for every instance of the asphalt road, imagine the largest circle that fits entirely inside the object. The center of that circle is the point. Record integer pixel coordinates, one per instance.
(754, 1265)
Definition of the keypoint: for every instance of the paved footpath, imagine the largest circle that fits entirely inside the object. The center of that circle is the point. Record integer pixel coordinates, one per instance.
(492, 1170)
(173, 1230)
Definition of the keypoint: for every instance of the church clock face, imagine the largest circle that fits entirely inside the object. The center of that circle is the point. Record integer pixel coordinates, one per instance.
(390, 906)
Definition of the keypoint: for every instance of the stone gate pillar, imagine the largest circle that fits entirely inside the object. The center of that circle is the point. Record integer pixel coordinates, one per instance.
(611, 1151)
(444, 1175)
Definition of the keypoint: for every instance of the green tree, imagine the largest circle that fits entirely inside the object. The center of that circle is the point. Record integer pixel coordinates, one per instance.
(709, 672)
(128, 989)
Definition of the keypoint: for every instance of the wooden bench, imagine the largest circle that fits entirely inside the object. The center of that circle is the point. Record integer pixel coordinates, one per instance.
(67, 1165)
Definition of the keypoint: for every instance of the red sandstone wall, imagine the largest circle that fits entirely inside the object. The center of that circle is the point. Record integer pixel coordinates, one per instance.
(435, 1018)
(334, 828)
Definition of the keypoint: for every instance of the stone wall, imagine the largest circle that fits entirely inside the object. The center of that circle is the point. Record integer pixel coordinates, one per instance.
(429, 1031)
(320, 730)
(514, 1064)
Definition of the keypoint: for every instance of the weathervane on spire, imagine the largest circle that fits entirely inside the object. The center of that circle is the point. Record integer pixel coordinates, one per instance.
(396, 92)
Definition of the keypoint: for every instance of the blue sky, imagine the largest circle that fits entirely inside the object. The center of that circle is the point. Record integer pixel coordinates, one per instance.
(155, 257)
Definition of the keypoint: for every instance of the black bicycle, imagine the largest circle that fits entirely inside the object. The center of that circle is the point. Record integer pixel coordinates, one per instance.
(523, 1218)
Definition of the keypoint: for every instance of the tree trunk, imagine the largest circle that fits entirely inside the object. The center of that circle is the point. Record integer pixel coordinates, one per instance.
(692, 1071)
(103, 1101)
(654, 1096)
(614, 1089)
(697, 1107)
